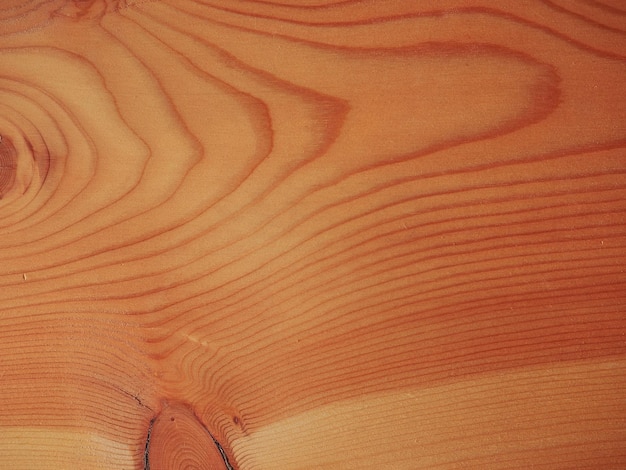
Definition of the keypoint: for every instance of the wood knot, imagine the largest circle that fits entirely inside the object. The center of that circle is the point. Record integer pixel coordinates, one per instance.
(178, 439)
(239, 422)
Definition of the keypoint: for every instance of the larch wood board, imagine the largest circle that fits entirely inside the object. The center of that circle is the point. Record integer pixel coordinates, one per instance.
(282, 234)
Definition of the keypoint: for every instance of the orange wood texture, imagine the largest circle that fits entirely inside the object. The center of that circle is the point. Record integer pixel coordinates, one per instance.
(310, 234)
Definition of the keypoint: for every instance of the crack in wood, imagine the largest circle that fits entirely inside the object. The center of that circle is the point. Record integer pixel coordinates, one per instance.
(159, 429)
(146, 459)
(220, 449)
(125, 392)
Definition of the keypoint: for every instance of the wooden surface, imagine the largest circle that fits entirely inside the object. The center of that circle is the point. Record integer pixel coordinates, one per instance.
(286, 234)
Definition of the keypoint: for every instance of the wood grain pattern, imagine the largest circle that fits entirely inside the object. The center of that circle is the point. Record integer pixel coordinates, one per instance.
(321, 233)
(178, 440)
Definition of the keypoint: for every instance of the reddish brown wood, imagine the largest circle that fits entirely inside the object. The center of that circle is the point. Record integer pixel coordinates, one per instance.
(178, 440)
(326, 234)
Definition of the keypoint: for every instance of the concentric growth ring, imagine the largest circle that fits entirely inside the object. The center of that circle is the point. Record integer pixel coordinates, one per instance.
(24, 164)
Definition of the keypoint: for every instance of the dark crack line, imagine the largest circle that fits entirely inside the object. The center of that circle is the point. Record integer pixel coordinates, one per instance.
(146, 452)
(146, 461)
(135, 397)
(222, 452)
(217, 444)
